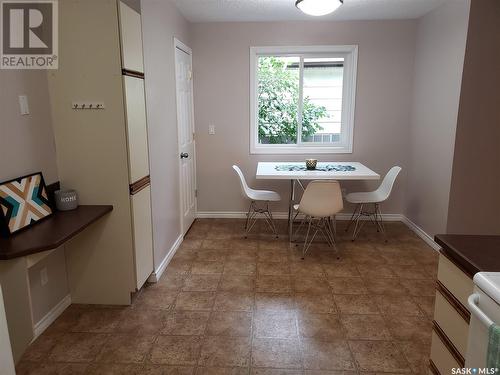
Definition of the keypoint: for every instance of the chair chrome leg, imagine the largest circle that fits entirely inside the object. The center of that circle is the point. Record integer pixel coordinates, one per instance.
(352, 217)
(357, 227)
(380, 221)
(252, 215)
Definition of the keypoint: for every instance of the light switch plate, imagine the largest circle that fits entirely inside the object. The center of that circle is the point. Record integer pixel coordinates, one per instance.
(211, 129)
(23, 105)
(44, 278)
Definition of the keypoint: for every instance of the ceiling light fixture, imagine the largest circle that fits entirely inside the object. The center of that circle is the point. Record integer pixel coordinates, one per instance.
(318, 7)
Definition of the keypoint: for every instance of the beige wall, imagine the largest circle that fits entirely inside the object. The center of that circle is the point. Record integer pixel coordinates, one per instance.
(440, 48)
(27, 146)
(221, 90)
(161, 22)
(474, 196)
(26, 142)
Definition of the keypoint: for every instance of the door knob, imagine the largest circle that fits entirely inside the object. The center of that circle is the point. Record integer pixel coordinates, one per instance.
(184, 155)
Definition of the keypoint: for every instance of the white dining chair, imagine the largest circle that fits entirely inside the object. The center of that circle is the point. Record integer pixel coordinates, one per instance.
(259, 204)
(375, 198)
(319, 204)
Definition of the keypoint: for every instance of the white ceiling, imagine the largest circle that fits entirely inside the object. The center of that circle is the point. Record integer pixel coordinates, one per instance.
(285, 10)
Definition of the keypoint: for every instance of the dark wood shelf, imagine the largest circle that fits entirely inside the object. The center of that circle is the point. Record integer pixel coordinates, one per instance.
(51, 232)
(473, 253)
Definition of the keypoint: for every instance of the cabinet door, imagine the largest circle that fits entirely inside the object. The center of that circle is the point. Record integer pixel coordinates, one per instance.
(137, 137)
(143, 235)
(131, 39)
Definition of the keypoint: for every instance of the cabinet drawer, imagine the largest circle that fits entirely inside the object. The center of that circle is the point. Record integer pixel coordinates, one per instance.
(452, 323)
(441, 357)
(456, 281)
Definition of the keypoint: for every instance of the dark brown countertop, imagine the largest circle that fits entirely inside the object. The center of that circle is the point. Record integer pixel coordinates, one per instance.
(52, 232)
(473, 253)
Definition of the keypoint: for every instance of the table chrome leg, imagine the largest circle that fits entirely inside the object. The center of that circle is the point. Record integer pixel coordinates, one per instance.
(290, 209)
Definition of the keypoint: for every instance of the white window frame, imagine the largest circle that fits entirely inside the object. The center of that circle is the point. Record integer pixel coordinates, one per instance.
(350, 55)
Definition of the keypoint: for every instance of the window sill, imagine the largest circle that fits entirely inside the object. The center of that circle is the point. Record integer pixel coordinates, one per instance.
(283, 150)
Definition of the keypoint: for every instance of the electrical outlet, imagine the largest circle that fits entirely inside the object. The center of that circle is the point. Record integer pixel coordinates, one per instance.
(211, 129)
(44, 278)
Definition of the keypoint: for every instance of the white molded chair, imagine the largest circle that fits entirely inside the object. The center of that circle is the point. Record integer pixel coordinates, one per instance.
(259, 204)
(376, 197)
(321, 201)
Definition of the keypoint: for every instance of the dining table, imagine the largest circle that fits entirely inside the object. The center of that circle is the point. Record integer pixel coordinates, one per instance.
(296, 172)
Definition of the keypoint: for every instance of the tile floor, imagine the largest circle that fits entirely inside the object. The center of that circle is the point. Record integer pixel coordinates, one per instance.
(229, 305)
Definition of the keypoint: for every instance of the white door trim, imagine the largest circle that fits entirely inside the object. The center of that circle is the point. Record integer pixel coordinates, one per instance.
(184, 48)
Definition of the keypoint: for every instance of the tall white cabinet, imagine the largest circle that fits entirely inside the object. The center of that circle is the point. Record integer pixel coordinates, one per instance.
(103, 153)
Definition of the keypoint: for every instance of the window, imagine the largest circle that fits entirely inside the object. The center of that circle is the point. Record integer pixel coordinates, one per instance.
(302, 99)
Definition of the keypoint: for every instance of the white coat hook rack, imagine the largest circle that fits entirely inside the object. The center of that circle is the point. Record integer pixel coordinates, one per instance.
(88, 105)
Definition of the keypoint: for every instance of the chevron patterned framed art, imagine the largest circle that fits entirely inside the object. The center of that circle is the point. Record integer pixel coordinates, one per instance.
(23, 202)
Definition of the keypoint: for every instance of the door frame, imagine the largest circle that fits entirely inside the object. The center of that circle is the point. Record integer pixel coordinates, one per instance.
(184, 48)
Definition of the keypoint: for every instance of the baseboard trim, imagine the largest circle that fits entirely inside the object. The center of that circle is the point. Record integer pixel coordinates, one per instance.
(51, 316)
(421, 233)
(156, 275)
(282, 215)
(342, 216)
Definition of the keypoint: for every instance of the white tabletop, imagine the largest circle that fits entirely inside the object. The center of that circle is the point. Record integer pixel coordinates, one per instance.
(267, 170)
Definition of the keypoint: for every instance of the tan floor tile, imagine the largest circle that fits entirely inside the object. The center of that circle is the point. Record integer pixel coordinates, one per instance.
(242, 255)
(274, 371)
(356, 304)
(216, 244)
(397, 305)
(176, 350)
(178, 267)
(275, 324)
(306, 269)
(126, 349)
(409, 328)
(98, 321)
(235, 267)
(190, 323)
(237, 283)
(385, 286)
(41, 347)
(33, 368)
(220, 351)
(324, 327)
(383, 356)
(417, 354)
(166, 370)
(276, 353)
(222, 371)
(426, 304)
(375, 271)
(311, 285)
(274, 255)
(411, 272)
(321, 355)
(171, 281)
(274, 244)
(66, 320)
(273, 284)
(420, 287)
(229, 323)
(207, 268)
(341, 270)
(189, 243)
(274, 301)
(431, 270)
(347, 285)
(155, 299)
(234, 301)
(201, 283)
(365, 327)
(315, 303)
(77, 347)
(195, 301)
(273, 268)
(208, 255)
(136, 321)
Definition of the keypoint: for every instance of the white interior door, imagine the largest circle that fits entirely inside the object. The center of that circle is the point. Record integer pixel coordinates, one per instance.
(185, 129)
